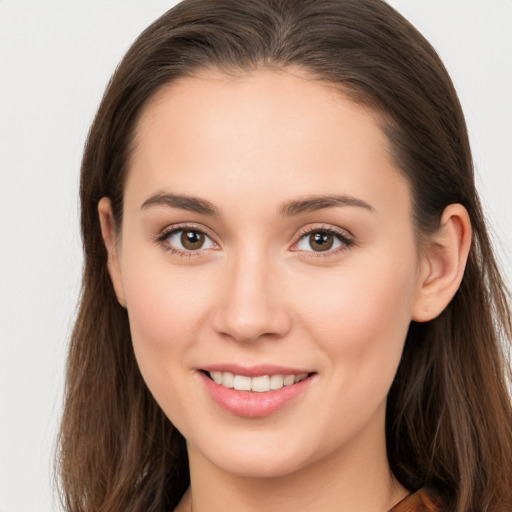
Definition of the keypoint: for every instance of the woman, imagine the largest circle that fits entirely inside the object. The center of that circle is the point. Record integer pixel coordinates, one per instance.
(289, 297)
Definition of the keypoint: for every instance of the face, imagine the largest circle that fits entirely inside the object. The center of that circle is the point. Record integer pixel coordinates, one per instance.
(266, 244)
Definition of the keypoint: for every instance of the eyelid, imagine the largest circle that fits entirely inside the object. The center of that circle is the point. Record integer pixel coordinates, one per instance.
(346, 238)
(166, 232)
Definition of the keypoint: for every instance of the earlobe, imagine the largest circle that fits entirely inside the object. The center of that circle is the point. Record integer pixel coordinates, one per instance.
(110, 239)
(444, 258)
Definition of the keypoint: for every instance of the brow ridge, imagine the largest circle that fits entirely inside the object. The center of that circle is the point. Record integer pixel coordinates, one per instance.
(315, 203)
(189, 203)
(290, 208)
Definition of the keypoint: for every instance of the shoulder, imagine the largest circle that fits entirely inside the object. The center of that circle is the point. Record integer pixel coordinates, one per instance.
(424, 500)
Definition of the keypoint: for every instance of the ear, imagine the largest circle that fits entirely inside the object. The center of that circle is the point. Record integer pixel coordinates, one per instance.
(110, 238)
(444, 258)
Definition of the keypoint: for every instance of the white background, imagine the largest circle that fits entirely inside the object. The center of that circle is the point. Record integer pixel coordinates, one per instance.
(55, 59)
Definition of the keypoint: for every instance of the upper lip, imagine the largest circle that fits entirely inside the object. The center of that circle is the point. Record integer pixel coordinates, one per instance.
(256, 370)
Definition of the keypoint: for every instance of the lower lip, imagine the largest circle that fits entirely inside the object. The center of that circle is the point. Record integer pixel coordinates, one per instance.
(253, 404)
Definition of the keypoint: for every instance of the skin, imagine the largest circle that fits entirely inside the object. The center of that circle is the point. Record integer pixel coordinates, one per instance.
(258, 292)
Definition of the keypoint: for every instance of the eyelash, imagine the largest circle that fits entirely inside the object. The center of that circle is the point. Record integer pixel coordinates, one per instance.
(164, 236)
(346, 240)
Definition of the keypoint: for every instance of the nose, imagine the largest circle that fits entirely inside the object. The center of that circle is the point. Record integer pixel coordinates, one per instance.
(251, 304)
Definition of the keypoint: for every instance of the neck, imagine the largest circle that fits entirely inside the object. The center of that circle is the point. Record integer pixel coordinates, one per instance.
(356, 477)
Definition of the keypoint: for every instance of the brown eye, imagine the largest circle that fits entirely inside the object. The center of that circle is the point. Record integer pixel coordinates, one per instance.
(324, 240)
(192, 240)
(321, 241)
(183, 240)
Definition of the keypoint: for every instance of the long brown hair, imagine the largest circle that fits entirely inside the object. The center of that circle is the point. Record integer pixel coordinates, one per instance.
(449, 417)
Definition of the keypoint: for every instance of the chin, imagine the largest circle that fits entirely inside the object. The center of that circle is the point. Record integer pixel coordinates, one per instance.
(257, 458)
(274, 466)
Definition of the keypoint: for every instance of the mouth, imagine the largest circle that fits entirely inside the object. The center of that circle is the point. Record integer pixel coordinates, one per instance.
(256, 390)
(256, 384)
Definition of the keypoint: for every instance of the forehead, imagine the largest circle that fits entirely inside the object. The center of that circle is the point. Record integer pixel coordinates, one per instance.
(268, 133)
(263, 98)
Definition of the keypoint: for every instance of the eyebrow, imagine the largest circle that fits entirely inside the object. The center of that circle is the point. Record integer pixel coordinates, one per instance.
(288, 209)
(189, 203)
(315, 203)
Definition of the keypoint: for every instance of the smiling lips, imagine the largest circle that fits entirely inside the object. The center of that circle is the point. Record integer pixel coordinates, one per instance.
(261, 393)
(259, 384)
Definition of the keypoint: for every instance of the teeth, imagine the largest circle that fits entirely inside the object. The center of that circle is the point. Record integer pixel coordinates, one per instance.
(276, 382)
(216, 376)
(289, 380)
(261, 384)
(258, 384)
(242, 383)
(228, 379)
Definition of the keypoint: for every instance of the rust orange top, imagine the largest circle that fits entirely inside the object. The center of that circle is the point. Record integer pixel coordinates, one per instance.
(423, 500)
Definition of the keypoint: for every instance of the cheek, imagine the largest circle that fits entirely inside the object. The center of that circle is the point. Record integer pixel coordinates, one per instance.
(360, 322)
(359, 301)
(360, 316)
(165, 308)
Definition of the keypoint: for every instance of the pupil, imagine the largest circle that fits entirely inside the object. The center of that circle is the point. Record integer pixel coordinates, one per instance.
(321, 241)
(192, 239)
